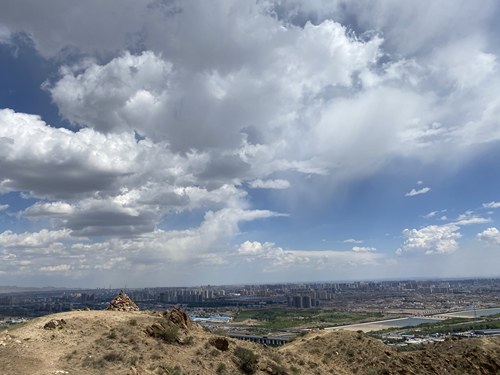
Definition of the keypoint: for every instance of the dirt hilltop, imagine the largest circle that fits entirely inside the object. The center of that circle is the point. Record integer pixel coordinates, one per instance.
(135, 342)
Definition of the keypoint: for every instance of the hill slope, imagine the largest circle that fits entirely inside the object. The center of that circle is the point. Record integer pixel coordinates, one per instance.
(113, 342)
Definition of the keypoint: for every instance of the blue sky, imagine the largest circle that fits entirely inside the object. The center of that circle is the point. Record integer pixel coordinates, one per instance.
(181, 143)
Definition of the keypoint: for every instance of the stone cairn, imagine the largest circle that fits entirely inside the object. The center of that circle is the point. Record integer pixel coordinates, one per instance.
(122, 302)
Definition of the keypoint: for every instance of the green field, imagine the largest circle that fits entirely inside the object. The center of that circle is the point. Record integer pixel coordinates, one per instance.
(456, 325)
(275, 319)
(453, 325)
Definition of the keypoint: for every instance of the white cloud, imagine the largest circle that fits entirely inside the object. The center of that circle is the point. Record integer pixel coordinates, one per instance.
(464, 63)
(361, 249)
(271, 257)
(472, 220)
(122, 95)
(490, 235)
(200, 107)
(352, 240)
(432, 214)
(58, 251)
(469, 218)
(57, 268)
(57, 209)
(492, 204)
(432, 239)
(438, 239)
(44, 238)
(269, 184)
(414, 192)
(256, 248)
(76, 162)
(3, 207)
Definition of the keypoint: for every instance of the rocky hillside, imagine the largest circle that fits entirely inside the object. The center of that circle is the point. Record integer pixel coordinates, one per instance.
(134, 342)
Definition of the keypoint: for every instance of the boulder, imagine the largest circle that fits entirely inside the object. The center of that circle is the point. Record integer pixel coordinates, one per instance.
(220, 343)
(179, 318)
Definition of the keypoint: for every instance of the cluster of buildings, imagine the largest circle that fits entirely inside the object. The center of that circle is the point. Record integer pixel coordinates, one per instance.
(383, 296)
(180, 296)
(302, 301)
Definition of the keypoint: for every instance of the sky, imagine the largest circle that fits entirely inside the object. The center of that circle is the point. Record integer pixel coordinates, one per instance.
(180, 143)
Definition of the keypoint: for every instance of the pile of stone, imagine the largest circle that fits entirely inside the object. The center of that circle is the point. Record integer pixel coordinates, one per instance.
(122, 302)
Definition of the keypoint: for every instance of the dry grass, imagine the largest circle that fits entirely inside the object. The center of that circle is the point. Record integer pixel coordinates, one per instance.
(107, 342)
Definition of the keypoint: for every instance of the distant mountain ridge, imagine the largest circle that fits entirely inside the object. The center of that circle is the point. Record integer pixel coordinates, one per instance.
(19, 289)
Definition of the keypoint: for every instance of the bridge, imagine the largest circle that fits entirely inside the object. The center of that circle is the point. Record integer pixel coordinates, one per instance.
(264, 340)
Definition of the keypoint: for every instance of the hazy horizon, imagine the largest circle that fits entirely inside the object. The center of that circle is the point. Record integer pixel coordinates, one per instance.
(132, 287)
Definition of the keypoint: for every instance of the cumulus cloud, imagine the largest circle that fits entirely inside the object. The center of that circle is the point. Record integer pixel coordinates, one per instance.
(490, 236)
(439, 239)
(80, 162)
(3, 207)
(414, 192)
(121, 95)
(432, 239)
(283, 69)
(10, 240)
(202, 107)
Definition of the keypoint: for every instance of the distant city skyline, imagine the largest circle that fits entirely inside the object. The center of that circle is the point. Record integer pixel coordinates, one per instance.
(161, 143)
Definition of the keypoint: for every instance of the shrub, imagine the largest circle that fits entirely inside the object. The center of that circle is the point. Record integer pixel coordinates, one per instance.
(112, 357)
(377, 371)
(247, 360)
(132, 322)
(169, 334)
(174, 371)
(277, 369)
(221, 369)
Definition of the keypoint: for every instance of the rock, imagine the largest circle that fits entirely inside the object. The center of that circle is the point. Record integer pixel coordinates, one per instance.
(174, 326)
(220, 343)
(122, 302)
(178, 318)
(54, 324)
